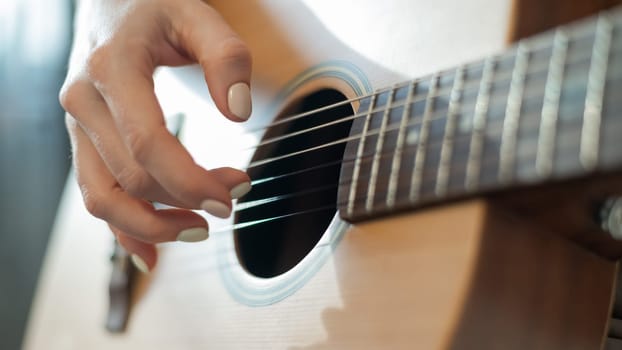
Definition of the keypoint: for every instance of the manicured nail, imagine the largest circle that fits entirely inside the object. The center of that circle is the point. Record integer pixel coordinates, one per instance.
(240, 190)
(140, 263)
(239, 100)
(216, 208)
(195, 234)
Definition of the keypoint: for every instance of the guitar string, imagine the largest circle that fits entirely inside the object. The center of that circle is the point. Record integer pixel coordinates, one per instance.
(416, 121)
(367, 156)
(257, 222)
(332, 207)
(317, 246)
(533, 48)
(443, 92)
(500, 77)
(428, 180)
(296, 172)
(408, 149)
(341, 160)
(526, 116)
(310, 113)
(259, 202)
(231, 228)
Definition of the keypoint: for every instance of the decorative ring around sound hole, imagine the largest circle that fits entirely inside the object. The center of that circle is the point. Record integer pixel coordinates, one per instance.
(278, 256)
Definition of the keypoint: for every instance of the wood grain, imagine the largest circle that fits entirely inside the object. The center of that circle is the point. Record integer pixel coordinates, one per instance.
(533, 16)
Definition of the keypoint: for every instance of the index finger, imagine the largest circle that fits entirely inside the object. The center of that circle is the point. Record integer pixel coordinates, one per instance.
(223, 55)
(137, 114)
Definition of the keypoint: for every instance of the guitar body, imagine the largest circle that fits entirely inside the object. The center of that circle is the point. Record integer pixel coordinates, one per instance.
(465, 275)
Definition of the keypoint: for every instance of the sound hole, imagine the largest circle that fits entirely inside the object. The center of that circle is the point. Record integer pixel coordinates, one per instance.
(296, 195)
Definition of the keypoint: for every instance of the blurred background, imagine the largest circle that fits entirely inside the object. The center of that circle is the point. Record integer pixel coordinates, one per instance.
(35, 37)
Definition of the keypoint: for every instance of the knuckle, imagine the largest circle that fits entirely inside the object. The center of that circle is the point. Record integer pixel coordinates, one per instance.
(233, 50)
(186, 195)
(151, 231)
(94, 203)
(134, 181)
(70, 95)
(70, 123)
(98, 62)
(138, 143)
(185, 192)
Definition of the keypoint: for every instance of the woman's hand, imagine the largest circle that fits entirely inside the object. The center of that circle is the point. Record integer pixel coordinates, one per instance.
(124, 157)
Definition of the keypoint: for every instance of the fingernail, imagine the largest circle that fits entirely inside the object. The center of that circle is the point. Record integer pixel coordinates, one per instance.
(240, 190)
(216, 208)
(239, 100)
(140, 263)
(195, 234)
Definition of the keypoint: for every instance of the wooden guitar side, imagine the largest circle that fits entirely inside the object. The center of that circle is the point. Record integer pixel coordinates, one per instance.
(466, 275)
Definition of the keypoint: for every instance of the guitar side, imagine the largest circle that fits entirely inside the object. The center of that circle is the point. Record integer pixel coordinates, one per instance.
(467, 275)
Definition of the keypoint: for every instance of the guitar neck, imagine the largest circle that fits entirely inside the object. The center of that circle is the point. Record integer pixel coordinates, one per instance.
(545, 110)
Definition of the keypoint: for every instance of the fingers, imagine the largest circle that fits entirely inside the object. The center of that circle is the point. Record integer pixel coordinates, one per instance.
(124, 156)
(106, 200)
(97, 123)
(224, 57)
(238, 182)
(143, 255)
(139, 120)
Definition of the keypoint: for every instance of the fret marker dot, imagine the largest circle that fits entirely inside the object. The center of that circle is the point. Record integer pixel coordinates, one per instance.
(466, 124)
(412, 137)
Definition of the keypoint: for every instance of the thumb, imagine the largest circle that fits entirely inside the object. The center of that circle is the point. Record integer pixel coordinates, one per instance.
(224, 57)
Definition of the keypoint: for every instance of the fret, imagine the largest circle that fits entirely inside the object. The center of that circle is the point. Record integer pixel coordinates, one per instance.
(550, 110)
(359, 155)
(442, 178)
(371, 190)
(479, 124)
(422, 138)
(590, 132)
(509, 133)
(399, 149)
(545, 110)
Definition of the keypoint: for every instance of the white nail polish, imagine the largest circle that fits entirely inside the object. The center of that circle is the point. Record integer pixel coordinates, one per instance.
(216, 208)
(240, 190)
(195, 234)
(140, 263)
(239, 100)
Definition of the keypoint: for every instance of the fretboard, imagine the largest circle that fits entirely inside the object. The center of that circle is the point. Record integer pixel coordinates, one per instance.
(547, 109)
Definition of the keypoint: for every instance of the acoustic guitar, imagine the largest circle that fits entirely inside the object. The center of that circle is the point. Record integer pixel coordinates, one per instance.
(426, 175)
